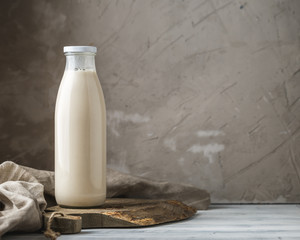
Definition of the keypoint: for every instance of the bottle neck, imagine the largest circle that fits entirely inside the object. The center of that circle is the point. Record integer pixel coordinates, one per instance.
(80, 62)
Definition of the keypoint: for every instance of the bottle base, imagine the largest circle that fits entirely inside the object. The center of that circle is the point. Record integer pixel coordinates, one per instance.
(87, 201)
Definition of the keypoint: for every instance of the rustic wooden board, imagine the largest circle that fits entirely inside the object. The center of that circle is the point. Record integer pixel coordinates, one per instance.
(124, 212)
(64, 224)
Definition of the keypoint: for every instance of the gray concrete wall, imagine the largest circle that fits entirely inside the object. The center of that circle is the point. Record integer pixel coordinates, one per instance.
(197, 92)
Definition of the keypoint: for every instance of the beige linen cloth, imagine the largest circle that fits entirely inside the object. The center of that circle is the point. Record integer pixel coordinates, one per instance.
(25, 192)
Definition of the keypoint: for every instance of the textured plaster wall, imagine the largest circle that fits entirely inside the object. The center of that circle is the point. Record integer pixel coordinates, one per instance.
(197, 92)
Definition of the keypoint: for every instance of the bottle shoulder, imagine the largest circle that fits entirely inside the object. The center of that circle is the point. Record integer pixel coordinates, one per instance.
(79, 80)
(80, 85)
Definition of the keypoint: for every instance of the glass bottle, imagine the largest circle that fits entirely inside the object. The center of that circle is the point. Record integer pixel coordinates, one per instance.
(80, 132)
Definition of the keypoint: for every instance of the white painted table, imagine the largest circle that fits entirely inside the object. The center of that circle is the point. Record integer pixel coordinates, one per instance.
(219, 222)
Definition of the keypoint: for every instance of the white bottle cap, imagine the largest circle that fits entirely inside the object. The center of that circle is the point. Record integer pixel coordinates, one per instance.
(78, 49)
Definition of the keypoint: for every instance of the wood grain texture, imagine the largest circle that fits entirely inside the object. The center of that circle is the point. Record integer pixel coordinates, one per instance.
(121, 212)
(64, 224)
